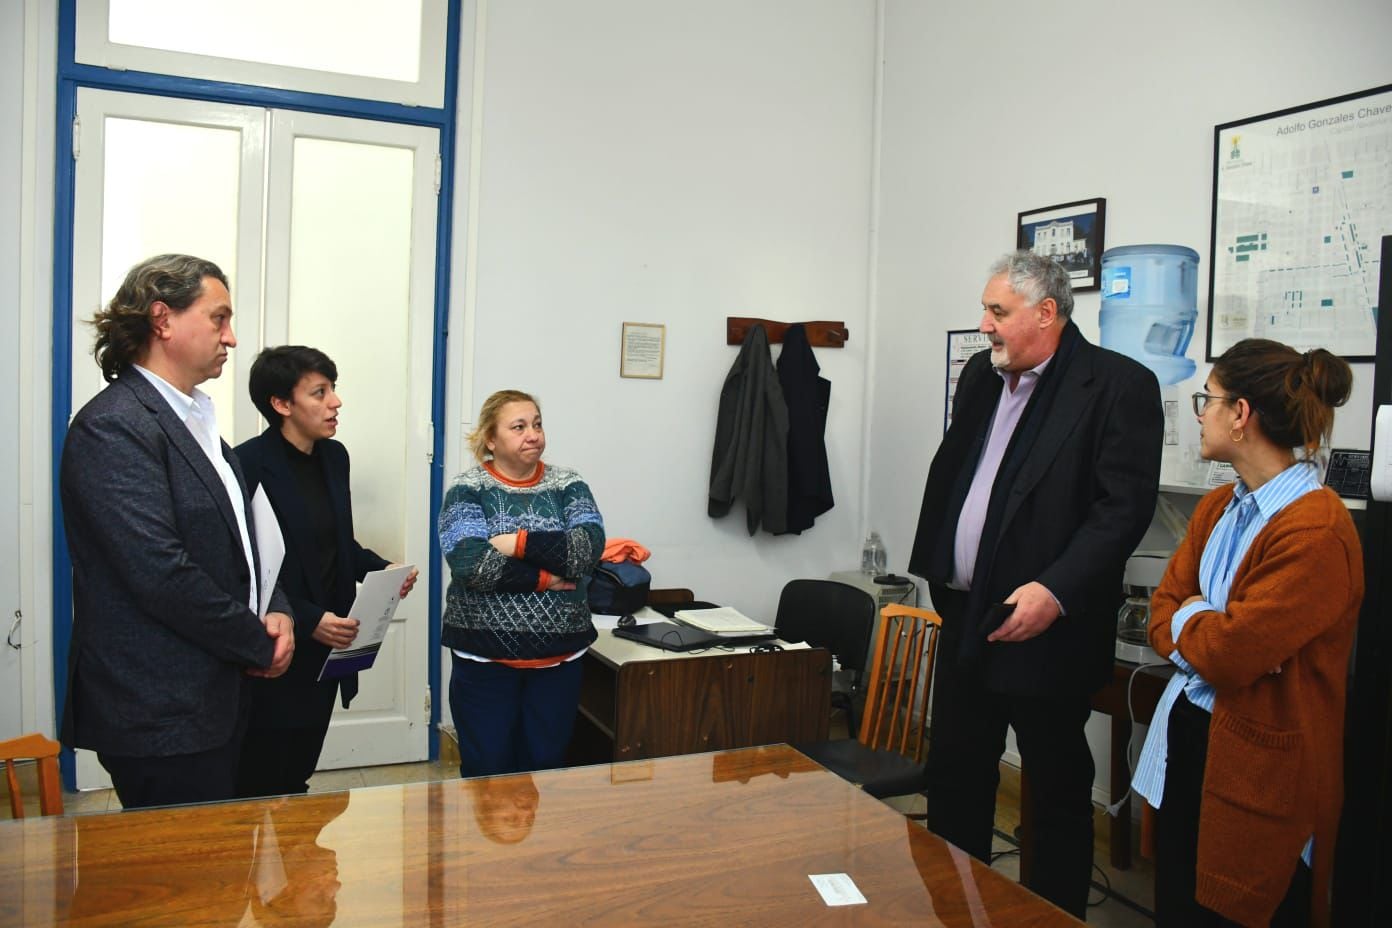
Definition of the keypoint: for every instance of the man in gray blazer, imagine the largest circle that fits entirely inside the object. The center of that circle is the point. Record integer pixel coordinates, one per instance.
(159, 528)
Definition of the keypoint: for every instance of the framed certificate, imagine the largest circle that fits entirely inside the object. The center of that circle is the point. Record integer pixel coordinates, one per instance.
(641, 350)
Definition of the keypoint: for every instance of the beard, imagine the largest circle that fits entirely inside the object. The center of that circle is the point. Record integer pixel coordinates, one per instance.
(1000, 356)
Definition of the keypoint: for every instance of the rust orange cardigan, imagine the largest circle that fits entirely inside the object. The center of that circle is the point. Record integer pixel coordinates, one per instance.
(1274, 774)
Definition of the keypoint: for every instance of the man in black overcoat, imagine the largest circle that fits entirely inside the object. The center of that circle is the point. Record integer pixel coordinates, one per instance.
(1042, 487)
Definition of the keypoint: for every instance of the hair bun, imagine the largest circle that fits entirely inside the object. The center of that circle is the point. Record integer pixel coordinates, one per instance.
(1328, 376)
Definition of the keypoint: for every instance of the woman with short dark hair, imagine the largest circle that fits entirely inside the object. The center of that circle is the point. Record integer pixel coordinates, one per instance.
(1257, 610)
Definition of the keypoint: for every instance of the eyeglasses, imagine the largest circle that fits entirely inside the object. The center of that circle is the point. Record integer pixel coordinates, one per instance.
(1201, 401)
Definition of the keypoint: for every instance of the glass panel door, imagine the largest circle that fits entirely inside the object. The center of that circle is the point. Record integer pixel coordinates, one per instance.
(350, 270)
(338, 240)
(157, 175)
(391, 50)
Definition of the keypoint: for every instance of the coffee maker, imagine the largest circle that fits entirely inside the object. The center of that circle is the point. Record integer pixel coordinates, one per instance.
(1139, 580)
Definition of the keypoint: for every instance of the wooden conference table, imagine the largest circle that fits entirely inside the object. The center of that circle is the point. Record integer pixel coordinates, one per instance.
(714, 839)
(638, 701)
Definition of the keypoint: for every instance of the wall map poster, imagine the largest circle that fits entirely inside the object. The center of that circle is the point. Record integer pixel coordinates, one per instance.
(1301, 199)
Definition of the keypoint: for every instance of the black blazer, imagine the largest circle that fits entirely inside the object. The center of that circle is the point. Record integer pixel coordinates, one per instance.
(1082, 495)
(161, 625)
(290, 700)
(808, 396)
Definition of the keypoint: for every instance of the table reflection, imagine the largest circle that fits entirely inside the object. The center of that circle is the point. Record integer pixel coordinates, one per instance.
(505, 807)
(294, 877)
(679, 840)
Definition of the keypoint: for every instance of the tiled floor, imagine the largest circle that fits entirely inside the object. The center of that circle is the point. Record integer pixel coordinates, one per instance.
(1124, 907)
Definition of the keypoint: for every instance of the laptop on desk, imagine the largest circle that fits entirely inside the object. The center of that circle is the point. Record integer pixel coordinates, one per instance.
(670, 637)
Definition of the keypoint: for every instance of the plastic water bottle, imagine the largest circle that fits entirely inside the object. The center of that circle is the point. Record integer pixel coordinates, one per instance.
(1149, 305)
(873, 559)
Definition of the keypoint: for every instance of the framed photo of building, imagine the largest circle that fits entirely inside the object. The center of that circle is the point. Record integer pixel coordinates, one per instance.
(1071, 234)
(1301, 198)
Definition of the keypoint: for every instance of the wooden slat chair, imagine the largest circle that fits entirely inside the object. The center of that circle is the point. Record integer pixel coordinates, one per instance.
(888, 757)
(38, 748)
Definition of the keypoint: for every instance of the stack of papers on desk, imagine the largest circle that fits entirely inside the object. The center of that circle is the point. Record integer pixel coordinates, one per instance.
(722, 620)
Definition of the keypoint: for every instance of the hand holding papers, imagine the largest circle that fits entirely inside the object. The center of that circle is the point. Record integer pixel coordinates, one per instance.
(374, 608)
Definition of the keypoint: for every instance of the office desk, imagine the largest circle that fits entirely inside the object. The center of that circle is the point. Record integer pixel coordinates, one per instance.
(645, 702)
(715, 839)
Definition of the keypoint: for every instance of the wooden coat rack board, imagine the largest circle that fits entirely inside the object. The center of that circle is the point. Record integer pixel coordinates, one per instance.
(819, 334)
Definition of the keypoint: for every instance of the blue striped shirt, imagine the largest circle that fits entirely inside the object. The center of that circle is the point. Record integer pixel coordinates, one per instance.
(1246, 515)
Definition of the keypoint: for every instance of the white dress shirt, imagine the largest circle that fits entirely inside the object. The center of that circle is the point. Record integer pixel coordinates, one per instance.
(196, 412)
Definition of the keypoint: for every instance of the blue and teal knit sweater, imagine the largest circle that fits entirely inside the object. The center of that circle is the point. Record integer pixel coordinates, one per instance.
(494, 608)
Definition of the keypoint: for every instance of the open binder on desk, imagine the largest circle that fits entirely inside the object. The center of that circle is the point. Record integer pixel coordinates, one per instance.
(721, 620)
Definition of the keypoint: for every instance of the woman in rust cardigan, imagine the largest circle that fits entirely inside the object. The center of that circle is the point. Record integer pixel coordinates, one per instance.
(1243, 762)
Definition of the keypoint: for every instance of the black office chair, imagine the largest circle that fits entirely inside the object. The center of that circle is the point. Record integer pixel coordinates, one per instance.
(889, 755)
(835, 616)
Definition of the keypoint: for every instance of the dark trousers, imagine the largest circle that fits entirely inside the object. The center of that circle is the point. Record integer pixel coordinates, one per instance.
(968, 737)
(1177, 833)
(279, 761)
(511, 720)
(206, 776)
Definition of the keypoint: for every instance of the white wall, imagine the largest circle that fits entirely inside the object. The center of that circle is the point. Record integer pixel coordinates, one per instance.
(26, 234)
(670, 163)
(973, 134)
(11, 110)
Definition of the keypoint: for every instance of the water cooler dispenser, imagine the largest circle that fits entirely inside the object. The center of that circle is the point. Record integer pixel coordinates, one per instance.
(1149, 306)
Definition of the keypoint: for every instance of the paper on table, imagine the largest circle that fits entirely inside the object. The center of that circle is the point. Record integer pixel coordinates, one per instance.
(270, 549)
(837, 888)
(644, 616)
(374, 608)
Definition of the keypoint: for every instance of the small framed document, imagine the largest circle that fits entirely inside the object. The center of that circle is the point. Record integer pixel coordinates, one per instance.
(641, 350)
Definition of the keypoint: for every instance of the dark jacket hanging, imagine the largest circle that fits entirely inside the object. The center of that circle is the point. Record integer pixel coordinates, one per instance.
(750, 460)
(808, 396)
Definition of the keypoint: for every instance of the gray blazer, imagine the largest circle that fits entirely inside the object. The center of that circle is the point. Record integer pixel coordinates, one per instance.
(161, 629)
(750, 459)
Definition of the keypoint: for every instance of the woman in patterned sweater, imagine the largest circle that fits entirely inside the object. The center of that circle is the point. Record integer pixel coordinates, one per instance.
(521, 539)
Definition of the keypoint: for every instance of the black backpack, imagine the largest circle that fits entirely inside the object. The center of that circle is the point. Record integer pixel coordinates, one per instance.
(619, 588)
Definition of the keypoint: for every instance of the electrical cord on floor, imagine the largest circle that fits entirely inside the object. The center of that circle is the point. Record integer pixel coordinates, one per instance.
(1115, 807)
(1104, 887)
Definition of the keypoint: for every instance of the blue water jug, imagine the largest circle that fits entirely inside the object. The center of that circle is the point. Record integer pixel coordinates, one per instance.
(1149, 305)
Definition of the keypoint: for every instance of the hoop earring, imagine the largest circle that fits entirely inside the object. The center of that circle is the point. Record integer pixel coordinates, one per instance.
(1238, 437)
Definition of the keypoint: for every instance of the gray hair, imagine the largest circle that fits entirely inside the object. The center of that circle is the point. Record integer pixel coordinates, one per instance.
(1036, 278)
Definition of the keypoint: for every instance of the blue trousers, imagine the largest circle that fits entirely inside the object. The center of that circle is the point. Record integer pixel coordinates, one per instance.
(511, 720)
